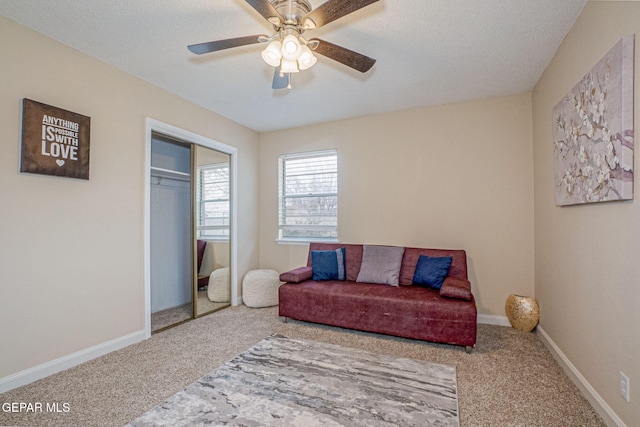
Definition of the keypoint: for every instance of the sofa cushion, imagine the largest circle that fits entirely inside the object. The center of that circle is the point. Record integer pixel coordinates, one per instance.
(297, 275)
(456, 288)
(353, 256)
(381, 264)
(410, 260)
(328, 264)
(431, 271)
(406, 311)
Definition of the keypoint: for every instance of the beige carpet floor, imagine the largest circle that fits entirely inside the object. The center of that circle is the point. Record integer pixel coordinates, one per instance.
(510, 379)
(172, 316)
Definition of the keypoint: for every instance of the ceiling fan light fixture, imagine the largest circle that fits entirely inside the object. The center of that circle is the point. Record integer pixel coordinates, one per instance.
(306, 59)
(291, 47)
(288, 66)
(272, 54)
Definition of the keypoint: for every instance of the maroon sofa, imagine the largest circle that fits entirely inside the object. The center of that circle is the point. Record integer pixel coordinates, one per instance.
(447, 315)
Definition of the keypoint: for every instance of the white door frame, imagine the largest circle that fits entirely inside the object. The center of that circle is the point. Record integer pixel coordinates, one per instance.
(190, 137)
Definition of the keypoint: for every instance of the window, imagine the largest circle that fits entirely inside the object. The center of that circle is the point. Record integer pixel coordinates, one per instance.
(308, 196)
(213, 201)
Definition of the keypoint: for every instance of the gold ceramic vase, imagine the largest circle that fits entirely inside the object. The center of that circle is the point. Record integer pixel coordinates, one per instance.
(523, 312)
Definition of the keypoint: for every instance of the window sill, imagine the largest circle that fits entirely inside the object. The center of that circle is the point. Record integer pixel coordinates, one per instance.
(304, 241)
(213, 239)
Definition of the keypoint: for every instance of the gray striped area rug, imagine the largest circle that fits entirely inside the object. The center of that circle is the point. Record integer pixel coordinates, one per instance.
(291, 382)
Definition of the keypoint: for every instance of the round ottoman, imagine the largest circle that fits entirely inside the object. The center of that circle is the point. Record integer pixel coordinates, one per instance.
(260, 288)
(219, 285)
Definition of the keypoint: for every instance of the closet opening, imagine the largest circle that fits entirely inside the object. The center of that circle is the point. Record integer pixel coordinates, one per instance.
(189, 244)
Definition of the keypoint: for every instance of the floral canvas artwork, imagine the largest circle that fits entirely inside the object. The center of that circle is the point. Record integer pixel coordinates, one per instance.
(593, 132)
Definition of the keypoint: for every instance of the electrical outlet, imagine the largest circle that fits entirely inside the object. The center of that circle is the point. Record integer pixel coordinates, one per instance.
(624, 386)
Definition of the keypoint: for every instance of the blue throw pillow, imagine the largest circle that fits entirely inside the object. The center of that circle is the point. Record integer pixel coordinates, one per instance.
(431, 271)
(328, 265)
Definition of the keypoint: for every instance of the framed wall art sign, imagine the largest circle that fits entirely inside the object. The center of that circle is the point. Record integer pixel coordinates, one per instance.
(593, 132)
(54, 141)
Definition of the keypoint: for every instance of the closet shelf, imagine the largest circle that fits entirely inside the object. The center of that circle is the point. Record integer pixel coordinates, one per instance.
(168, 173)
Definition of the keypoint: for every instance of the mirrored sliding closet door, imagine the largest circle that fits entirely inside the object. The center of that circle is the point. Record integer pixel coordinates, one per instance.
(189, 231)
(212, 228)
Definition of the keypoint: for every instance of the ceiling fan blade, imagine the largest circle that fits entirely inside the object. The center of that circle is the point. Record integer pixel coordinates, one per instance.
(352, 59)
(281, 82)
(332, 10)
(266, 9)
(207, 47)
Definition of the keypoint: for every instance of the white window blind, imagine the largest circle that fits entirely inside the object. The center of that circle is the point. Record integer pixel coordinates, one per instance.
(213, 201)
(308, 196)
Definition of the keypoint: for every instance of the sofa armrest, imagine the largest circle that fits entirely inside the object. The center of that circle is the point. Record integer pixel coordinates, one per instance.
(297, 275)
(456, 288)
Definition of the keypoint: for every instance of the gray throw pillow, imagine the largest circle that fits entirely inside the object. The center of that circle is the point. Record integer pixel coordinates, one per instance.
(381, 264)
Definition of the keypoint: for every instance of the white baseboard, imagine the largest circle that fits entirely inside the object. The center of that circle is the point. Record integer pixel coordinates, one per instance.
(598, 403)
(489, 319)
(49, 368)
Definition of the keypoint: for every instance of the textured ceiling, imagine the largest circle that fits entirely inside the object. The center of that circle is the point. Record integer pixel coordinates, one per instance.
(429, 52)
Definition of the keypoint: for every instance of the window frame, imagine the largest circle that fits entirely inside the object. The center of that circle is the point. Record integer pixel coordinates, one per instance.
(201, 202)
(282, 199)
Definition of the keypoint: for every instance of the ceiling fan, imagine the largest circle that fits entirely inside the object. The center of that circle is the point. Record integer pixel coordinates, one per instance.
(287, 50)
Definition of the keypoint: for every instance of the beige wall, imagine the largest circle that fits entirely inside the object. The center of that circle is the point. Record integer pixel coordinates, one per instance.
(457, 176)
(71, 251)
(587, 268)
